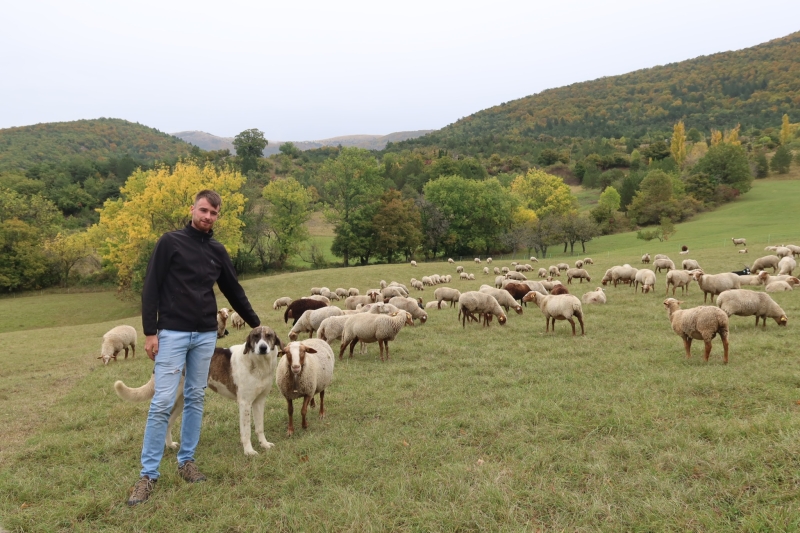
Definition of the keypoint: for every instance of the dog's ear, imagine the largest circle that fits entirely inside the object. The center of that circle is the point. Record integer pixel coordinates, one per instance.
(248, 346)
(280, 342)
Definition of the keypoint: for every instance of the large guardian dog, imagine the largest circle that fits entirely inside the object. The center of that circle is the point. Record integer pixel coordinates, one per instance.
(244, 373)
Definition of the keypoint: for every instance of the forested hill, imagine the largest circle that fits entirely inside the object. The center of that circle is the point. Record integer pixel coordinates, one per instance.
(24, 147)
(753, 87)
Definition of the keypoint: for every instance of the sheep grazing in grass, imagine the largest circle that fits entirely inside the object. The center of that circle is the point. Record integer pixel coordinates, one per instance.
(533, 260)
(305, 370)
(115, 340)
(794, 249)
(518, 276)
(488, 259)
(553, 271)
(237, 321)
(496, 271)
(782, 251)
(351, 302)
(542, 273)
(459, 269)
(690, 264)
(281, 302)
(296, 309)
(411, 306)
(646, 258)
(679, 278)
(311, 320)
(341, 292)
(486, 270)
(368, 327)
(715, 284)
(786, 265)
(577, 273)
(702, 323)
(663, 264)
(647, 279)
(776, 284)
(743, 251)
(450, 260)
(518, 290)
(660, 256)
(558, 307)
(559, 289)
(352, 291)
(597, 296)
(578, 264)
(503, 297)
(504, 270)
(588, 261)
(737, 242)
(623, 274)
(474, 305)
(763, 263)
(222, 320)
(742, 302)
(562, 266)
(477, 260)
(413, 263)
(417, 284)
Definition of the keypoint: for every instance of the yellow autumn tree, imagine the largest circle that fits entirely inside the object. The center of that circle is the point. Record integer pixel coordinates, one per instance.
(732, 137)
(678, 145)
(786, 130)
(67, 249)
(157, 201)
(544, 194)
(716, 137)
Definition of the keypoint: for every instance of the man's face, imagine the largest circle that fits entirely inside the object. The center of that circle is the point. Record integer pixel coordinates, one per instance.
(204, 215)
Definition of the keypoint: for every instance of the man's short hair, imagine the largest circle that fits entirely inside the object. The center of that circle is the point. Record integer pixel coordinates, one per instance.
(212, 197)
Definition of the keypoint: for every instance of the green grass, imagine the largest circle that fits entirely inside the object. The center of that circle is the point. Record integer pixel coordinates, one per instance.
(505, 429)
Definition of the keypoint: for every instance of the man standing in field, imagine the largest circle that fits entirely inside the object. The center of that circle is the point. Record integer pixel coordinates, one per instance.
(179, 315)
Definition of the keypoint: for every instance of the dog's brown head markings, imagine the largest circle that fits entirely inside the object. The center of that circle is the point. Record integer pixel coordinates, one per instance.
(262, 340)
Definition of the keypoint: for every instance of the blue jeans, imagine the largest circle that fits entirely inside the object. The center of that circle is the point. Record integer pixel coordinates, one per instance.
(177, 350)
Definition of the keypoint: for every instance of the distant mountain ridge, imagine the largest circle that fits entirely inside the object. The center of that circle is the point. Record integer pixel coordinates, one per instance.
(208, 141)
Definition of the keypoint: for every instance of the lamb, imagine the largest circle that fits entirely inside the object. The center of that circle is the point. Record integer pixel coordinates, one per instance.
(762, 263)
(737, 242)
(558, 307)
(459, 269)
(413, 263)
(222, 319)
(503, 297)
(624, 273)
(606, 279)
(427, 281)
(296, 309)
(690, 264)
(786, 265)
(646, 258)
(703, 323)
(315, 290)
(367, 327)
(647, 278)
(411, 306)
(446, 294)
(679, 278)
(115, 340)
(281, 302)
(742, 302)
(597, 296)
(472, 302)
(662, 263)
(715, 284)
(311, 320)
(237, 321)
(306, 370)
(578, 273)
(578, 264)
(332, 327)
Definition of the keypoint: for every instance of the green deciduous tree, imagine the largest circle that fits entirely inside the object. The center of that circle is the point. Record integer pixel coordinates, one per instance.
(397, 226)
(353, 186)
(762, 165)
(287, 213)
(659, 196)
(726, 163)
(249, 146)
(782, 160)
(67, 249)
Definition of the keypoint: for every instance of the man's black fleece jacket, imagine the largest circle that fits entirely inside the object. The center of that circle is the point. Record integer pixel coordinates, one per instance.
(179, 284)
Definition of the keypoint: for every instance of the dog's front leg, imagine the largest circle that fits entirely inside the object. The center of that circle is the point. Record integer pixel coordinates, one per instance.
(258, 420)
(244, 427)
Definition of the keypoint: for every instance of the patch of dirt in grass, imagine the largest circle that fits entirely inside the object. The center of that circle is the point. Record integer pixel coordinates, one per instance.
(318, 227)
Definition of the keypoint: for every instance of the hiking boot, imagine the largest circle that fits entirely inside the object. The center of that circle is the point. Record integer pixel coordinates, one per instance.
(190, 473)
(141, 490)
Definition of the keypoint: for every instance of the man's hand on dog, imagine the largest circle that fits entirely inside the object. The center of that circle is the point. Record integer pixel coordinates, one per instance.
(151, 346)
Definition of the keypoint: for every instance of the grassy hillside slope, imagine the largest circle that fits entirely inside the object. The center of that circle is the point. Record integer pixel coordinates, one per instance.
(754, 87)
(23, 147)
(469, 429)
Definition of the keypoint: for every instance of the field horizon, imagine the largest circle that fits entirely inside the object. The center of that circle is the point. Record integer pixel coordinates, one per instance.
(470, 429)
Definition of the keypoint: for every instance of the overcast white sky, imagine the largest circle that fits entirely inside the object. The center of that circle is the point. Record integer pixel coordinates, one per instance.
(312, 70)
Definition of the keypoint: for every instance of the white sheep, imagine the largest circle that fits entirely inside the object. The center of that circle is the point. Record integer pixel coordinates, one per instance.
(305, 370)
(471, 277)
(237, 321)
(352, 301)
(542, 272)
(588, 261)
(496, 271)
(368, 327)
(743, 251)
(690, 264)
(329, 294)
(715, 284)
(341, 292)
(737, 242)
(659, 256)
(703, 323)
(597, 296)
(450, 260)
(578, 264)
(783, 251)
(623, 274)
(413, 263)
(663, 263)
(446, 294)
(488, 259)
(553, 271)
(775, 284)
(433, 304)
(310, 320)
(319, 298)
(646, 258)
(477, 260)
(534, 260)
(742, 302)
(562, 266)
(577, 273)
(679, 278)
(115, 340)
(558, 307)
(281, 302)
(503, 297)
(411, 306)
(768, 261)
(417, 284)
(352, 291)
(484, 305)
(222, 321)
(518, 276)
(486, 270)
(794, 248)
(315, 290)
(786, 265)
(645, 277)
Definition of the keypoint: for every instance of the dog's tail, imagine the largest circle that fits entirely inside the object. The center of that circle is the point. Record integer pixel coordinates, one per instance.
(145, 392)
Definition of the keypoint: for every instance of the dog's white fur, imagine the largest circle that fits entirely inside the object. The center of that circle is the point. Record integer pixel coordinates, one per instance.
(247, 380)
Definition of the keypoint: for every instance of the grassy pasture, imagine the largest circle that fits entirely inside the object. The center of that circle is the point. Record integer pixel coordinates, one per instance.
(505, 429)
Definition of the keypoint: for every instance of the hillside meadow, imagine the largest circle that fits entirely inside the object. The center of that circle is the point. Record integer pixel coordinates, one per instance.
(463, 429)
